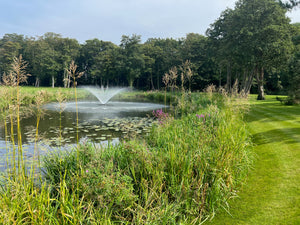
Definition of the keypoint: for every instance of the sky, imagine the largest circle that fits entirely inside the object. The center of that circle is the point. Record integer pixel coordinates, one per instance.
(108, 20)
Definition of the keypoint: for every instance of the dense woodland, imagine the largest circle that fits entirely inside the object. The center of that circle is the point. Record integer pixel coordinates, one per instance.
(252, 47)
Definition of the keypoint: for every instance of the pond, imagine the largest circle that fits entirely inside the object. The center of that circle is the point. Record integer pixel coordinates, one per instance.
(99, 123)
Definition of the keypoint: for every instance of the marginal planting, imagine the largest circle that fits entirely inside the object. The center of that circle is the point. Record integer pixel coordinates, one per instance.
(182, 172)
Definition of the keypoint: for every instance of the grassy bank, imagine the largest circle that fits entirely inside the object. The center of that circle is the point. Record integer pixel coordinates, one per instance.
(29, 94)
(182, 173)
(272, 193)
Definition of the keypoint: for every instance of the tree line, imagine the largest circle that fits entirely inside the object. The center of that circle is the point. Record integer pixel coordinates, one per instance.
(251, 46)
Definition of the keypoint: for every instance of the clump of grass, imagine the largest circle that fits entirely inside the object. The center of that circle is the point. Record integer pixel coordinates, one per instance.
(12, 81)
(184, 172)
(39, 113)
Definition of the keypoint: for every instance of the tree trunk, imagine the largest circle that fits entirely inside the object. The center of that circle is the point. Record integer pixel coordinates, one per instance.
(248, 79)
(249, 83)
(260, 84)
(235, 88)
(53, 81)
(69, 80)
(37, 82)
(131, 83)
(220, 77)
(151, 81)
(228, 82)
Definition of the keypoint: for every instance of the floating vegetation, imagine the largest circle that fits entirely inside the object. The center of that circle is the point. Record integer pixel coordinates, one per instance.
(95, 130)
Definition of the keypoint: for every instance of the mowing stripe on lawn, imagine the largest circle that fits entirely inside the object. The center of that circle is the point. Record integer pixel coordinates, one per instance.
(271, 194)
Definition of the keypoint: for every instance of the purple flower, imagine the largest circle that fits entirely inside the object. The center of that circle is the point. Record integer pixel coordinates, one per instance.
(87, 171)
(200, 116)
(160, 115)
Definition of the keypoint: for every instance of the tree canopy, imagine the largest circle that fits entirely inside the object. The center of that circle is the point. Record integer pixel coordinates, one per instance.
(251, 45)
(253, 38)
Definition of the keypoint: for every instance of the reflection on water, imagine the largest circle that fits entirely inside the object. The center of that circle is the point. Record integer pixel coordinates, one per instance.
(98, 123)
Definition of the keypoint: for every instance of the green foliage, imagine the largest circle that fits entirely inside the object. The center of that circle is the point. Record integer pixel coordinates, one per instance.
(98, 59)
(294, 69)
(133, 61)
(271, 194)
(185, 170)
(254, 37)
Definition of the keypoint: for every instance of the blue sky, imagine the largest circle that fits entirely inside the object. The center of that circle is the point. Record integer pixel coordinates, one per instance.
(110, 19)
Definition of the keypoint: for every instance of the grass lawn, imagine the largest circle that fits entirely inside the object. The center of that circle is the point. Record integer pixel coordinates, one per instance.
(271, 194)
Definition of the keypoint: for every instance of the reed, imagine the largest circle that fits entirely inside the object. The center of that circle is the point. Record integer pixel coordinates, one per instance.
(13, 80)
(182, 173)
(72, 71)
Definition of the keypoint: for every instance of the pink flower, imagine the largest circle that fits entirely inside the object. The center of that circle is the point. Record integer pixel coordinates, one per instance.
(200, 116)
(160, 115)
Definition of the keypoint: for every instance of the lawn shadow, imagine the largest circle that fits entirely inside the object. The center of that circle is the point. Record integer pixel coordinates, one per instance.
(285, 135)
(288, 112)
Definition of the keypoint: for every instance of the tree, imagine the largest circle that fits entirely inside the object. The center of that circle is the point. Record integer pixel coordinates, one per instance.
(151, 55)
(167, 55)
(32, 54)
(196, 49)
(10, 46)
(8, 51)
(257, 36)
(294, 68)
(133, 60)
(68, 50)
(49, 59)
(97, 59)
(289, 4)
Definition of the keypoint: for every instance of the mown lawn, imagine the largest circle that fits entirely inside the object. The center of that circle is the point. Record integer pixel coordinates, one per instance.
(271, 194)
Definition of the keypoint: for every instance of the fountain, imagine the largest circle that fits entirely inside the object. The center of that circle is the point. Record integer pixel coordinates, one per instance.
(98, 120)
(106, 108)
(103, 94)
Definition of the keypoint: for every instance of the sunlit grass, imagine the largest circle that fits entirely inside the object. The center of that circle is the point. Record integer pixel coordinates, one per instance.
(272, 193)
(185, 170)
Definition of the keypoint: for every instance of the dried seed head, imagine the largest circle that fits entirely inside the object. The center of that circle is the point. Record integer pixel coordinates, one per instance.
(73, 73)
(19, 69)
(9, 79)
(166, 79)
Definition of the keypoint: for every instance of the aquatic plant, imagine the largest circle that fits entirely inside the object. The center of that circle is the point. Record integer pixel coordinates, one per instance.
(185, 167)
(72, 71)
(181, 173)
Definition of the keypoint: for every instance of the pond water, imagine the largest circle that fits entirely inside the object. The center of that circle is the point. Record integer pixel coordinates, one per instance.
(96, 122)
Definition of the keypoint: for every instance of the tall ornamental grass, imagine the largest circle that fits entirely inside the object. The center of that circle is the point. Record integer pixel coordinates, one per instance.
(187, 168)
(183, 172)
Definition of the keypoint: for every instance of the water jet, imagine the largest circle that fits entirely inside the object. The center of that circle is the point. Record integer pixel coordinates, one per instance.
(104, 95)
